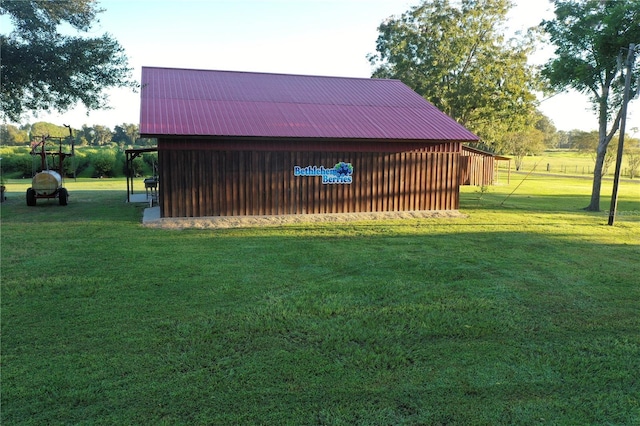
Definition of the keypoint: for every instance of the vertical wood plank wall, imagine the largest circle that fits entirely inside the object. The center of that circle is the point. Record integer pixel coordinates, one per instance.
(198, 183)
(476, 169)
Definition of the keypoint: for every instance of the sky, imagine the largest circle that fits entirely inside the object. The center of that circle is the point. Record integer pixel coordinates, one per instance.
(309, 37)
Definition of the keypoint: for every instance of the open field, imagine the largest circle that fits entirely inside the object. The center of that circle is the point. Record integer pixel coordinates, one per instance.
(567, 162)
(526, 311)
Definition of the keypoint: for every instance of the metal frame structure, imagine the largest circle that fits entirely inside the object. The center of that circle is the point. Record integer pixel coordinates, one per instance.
(130, 155)
(40, 147)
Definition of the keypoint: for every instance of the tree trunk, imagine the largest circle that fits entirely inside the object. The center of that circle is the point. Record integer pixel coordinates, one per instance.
(594, 205)
(601, 151)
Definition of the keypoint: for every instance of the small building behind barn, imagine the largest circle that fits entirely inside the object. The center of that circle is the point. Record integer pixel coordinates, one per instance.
(242, 143)
(480, 168)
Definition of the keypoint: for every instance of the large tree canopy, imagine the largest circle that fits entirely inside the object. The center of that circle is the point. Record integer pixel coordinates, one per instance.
(592, 39)
(43, 69)
(454, 54)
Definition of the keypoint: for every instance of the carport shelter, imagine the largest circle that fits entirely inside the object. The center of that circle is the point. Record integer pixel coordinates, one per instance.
(243, 143)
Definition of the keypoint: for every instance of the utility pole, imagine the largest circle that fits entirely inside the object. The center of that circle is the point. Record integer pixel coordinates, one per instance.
(623, 120)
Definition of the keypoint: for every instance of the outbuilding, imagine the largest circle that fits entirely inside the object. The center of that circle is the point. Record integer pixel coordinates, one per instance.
(244, 143)
(480, 168)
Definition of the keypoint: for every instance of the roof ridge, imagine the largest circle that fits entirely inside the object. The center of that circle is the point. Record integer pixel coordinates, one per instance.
(273, 73)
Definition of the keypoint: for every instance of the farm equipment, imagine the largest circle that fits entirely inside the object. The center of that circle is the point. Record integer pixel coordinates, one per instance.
(48, 181)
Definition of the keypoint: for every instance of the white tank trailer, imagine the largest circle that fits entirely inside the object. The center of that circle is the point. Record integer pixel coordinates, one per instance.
(49, 183)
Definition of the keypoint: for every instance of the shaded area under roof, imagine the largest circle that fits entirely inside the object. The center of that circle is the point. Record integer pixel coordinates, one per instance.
(243, 104)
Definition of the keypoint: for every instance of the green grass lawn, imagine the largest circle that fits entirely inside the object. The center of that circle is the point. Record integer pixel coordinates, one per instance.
(525, 312)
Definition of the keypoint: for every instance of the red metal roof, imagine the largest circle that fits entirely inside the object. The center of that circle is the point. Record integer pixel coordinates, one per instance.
(225, 103)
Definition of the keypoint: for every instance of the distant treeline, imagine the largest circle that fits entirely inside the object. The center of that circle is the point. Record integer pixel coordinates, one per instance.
(123, 135)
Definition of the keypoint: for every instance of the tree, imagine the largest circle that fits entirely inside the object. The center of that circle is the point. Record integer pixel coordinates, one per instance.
(126, 134)
(85, 135)
(101, 135)
(530, 141)
(43, 69)
(549, 131)
(633, 158)
(584, 142)
(11, 135)
(456, 57)
(587, 143)
(589, 37)
(95, 135)
(563, 139)
(42, 128)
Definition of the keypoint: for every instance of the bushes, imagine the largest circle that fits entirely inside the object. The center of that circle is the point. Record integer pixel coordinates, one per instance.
(138, 166)
(104, 163)
(18, 163)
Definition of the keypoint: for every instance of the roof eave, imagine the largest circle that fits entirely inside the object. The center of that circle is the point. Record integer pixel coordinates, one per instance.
(294, 138)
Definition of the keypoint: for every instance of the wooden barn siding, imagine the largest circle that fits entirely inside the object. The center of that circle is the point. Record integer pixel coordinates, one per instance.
(476, 169)
(226, 183)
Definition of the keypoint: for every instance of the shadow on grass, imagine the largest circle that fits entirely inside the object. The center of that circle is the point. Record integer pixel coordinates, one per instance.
(627, 207)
